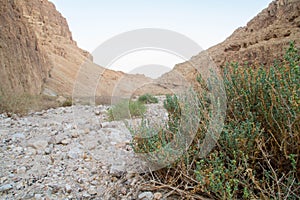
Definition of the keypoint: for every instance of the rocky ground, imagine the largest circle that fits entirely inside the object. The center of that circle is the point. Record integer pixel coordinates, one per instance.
(71, 153)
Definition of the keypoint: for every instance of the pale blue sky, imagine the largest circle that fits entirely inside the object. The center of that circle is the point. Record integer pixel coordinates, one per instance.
(207, 22)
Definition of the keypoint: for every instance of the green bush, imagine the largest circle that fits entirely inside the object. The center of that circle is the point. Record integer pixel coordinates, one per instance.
(147, 98)
(257, 154)
(171, 104)
(126, 109)
(147, 138)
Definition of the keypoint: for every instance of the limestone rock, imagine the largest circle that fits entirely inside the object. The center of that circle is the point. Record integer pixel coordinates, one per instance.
(38, 144)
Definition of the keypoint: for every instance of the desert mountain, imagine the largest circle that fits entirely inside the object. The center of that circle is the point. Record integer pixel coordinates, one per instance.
(38, 54)
(264, 39)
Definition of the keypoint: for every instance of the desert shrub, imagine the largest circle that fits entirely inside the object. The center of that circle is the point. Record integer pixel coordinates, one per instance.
(147, 138)
(171, 104)
(263, 128)
(21, 104)
(17, 104)
(178, 130)
(257, 153)
(126, 109)
(147, 98)
(67, 103)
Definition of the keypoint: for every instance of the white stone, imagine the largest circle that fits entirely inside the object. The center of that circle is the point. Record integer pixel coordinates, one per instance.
(30, 151)
(75, 153)
(48, 150)
(92, 191)
(86, 195)
(21, 170)
(66, 141)
(18, 136)
(68, 188)
(5, 187)
(38, 196)
(38, 144)
(146, 196)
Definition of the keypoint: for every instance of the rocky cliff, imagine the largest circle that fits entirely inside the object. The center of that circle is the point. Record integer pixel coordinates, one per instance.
(24, 65)
(55, 39)
(37, 49)
(38, 55)
(264, 39)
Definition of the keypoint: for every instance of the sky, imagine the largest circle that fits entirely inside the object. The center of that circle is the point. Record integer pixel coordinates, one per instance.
(207, 22)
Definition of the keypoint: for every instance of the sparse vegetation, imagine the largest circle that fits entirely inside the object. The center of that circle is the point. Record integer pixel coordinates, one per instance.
(126, 109)
(21, 104)
(147, 98)
(257, 154)
(68, 102)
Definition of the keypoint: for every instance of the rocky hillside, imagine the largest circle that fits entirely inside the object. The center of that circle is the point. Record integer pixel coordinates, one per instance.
(262, 40)
(38, 55)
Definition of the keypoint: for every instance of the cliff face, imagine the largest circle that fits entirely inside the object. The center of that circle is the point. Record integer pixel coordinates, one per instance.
(37, 49)
(24, 65)
(55, 39)
(264, 39)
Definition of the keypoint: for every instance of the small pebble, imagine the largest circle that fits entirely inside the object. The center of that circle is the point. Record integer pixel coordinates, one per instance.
(5, 187)
(123, 191)
(65, 141)
(38, 196)
(86, 195)
(48, 151)
(21, 170)
(146, 196)
(92, 191)
(68, 188)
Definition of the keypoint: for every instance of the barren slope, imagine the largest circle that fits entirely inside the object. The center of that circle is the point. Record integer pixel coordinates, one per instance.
(264, 39)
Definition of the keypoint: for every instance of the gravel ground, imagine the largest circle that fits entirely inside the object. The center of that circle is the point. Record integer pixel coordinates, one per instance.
(71, 153)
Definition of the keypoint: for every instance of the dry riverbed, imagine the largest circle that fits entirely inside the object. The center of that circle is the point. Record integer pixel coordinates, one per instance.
(71, 153)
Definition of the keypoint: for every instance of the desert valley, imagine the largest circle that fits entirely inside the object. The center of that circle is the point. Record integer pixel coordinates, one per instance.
(69, 128)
